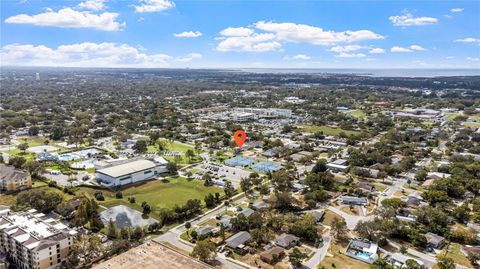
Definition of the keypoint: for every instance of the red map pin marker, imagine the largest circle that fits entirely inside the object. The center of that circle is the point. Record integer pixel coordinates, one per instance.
(240, 136)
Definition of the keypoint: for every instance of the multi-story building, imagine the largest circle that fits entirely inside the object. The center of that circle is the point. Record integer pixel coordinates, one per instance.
(12, 179)
(33, 241)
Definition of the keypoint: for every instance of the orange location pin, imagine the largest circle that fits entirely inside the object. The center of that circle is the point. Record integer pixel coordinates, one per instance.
(240, 136)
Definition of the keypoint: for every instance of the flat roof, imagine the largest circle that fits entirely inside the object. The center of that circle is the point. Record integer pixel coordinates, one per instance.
(127, 168)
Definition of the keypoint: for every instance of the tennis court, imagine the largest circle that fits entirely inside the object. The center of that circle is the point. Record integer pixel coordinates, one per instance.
(238, 162)
(266, 167)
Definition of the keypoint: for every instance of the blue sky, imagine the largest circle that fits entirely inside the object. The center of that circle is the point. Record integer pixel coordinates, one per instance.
(282, 34)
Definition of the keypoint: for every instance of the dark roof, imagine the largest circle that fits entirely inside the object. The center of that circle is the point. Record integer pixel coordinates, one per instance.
(238, 239)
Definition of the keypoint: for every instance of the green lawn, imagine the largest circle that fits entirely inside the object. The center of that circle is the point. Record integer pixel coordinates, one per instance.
(358, 114)
(175, 147)
(158, 194)
(327, 130)
(10, 199)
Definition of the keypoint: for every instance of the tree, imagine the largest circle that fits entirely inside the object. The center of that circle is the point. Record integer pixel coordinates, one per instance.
(296, 257)
(172, 168)
(209, 200)
(189, 154)
(204, 250)
(86, 248)
(245, 185)
(445, 263)
(339, 228)
(228, 189)
(320, 166)
(23, 147)
(140, 146)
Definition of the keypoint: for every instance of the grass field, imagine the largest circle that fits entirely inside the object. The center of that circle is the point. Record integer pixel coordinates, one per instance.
(327, 130)
(358, 114)
(157, 194)
(176, 147)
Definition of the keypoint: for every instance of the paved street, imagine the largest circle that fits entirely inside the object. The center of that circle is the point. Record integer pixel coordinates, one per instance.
(350, 219)
(173, 235)
(319, 254)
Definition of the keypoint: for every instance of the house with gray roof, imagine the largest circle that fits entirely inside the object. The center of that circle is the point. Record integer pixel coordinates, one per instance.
(238, 239)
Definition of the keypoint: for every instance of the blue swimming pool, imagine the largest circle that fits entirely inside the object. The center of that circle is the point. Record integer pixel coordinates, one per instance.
(363, 256)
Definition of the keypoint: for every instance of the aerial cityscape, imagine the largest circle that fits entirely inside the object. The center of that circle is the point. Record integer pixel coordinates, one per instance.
(162, 134)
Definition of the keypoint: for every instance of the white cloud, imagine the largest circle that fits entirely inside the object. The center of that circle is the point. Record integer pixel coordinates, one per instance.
(93, 4)
(251, 43)
(409, 49)
(417, 48)
(236, 31)
(350, 55)
(69, 18)
(85, 54)
(450, 57)
(297, 33)
(154, 5)
(299, 57)
(189, 57)
(400, 49)
(347, 48)
(468, 40)
(273, 35)
(407, 19)
(188, 34)
(473, 59)
(376, 51)
(456, 10)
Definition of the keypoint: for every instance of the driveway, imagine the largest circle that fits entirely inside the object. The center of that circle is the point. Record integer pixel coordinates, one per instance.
(350, 219)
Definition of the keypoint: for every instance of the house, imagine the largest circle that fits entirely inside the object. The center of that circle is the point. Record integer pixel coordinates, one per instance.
(205, 230)
(428, 183)
(435, 240)
(363, 250)
(399, 259)
(286, 240)
(273, 255)
(225, 222)
(237, 241)
(406, 219)
(436, 175)
(259, 205)
(470, 250)
(13, 179)
(246, 212)
(317, 214)
(352, 200)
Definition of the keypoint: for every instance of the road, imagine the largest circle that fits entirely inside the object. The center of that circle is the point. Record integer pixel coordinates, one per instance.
(350, 219)
(315, 260)
(173, 235)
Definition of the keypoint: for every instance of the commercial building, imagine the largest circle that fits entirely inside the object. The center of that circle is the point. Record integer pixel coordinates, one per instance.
(129, 172)
(33, 241)
(13, 179)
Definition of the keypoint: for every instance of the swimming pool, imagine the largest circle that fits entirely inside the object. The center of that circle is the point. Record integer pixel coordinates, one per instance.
(363, 256)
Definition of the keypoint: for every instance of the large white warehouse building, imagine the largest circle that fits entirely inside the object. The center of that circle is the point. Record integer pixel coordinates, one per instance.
(130, 172)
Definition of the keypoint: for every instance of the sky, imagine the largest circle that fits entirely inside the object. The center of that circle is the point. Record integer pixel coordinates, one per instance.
(241, 34)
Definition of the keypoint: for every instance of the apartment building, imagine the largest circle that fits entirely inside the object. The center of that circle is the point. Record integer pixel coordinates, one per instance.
(33, 241)
(13, 179)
